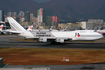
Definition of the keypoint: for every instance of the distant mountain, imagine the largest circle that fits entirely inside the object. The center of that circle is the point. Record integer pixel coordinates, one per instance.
(40, 1)
(19, 5)
(70, 10)
(76, 9)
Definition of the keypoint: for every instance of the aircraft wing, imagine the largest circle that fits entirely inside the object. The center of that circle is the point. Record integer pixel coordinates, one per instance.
(46, 39)
(58, 38)
(51, 37)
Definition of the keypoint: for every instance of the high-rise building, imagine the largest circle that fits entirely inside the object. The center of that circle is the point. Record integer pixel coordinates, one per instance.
(55, 21)
(1, 15)
(41, 18)
(32, 18)
(48, 21)
(27, 16)
(21, 14)
(14, 14)
(9, 14)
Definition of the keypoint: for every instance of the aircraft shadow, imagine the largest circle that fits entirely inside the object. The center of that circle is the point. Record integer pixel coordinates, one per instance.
(71, 45)
(58, 45)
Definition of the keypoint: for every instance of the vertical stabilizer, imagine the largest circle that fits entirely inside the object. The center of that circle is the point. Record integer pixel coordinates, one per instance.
(15, 26)
(30, 28)
(50, 28)
(1, 27)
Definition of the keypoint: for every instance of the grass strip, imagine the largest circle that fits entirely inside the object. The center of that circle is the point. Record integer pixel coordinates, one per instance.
(37, 56)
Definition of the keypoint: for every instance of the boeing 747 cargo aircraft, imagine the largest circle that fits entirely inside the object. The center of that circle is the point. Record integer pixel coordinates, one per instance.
(53, 36)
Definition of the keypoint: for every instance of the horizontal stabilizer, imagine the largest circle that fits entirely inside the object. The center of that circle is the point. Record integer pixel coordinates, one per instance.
(10, 31)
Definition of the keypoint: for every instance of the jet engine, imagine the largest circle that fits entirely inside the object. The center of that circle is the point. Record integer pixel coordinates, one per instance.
(60, 40)
(42, 39)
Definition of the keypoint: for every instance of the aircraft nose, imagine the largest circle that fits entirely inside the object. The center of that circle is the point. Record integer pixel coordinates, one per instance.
(101, 36)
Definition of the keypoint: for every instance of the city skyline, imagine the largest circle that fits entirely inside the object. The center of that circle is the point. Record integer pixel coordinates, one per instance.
(71, 10)
(28, 19)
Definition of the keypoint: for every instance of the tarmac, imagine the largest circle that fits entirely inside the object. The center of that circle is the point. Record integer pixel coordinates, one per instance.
(6, 41)
(100, 66)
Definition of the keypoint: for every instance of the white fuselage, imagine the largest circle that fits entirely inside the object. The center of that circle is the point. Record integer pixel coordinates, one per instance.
(84, 34)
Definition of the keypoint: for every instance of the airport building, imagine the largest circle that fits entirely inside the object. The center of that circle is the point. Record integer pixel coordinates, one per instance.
(62, 25)
(89, 26)
(95, 22)
(70, 26)
(92, 24)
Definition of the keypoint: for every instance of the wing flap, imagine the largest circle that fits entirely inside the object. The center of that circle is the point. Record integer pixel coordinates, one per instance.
(65, 38)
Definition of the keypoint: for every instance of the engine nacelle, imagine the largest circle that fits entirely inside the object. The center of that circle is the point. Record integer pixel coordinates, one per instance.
(60, 40)
(42, 39)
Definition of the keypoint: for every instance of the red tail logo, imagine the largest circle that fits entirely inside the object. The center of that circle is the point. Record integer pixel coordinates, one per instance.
(78, 35)
(30, 27)
(1, 27)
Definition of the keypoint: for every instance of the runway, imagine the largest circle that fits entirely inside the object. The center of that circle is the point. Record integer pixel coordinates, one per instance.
(6, 41)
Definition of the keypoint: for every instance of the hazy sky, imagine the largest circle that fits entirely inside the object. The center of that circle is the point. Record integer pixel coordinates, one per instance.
(39, 1)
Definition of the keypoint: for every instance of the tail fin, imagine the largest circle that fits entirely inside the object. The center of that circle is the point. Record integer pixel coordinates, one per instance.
(59, 28)
(1, 26)
(65, 29)
(30, 28)
(50, 28)
(15, 26)
(39, 28)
